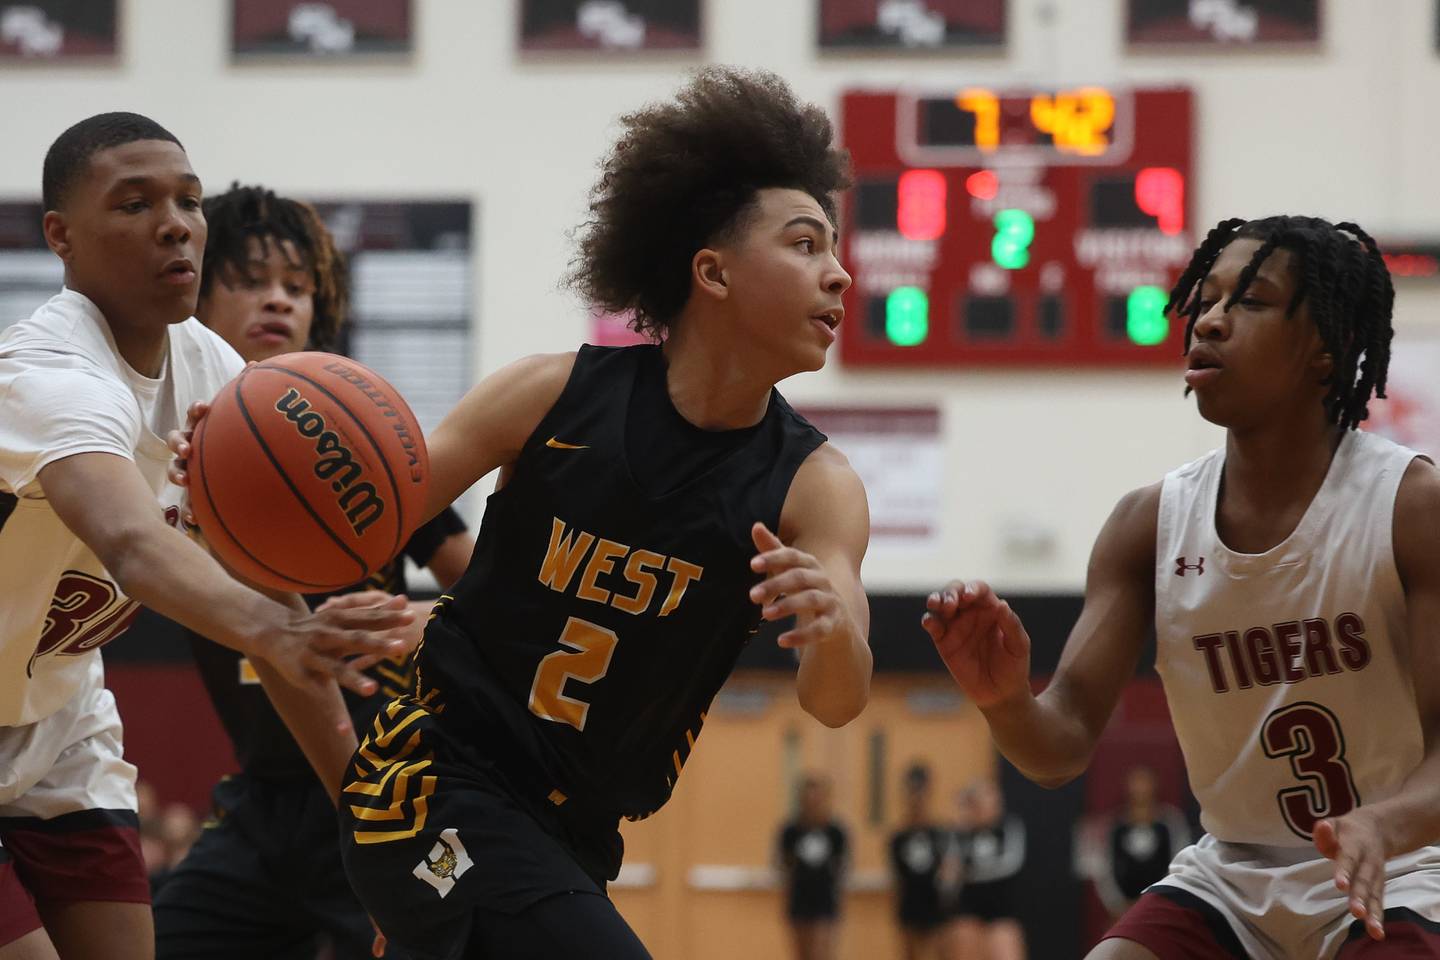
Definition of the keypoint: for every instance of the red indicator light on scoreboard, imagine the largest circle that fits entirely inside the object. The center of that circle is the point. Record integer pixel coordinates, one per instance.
(920, 206)
(982, 185)
(1412, 264)
(1160, 192)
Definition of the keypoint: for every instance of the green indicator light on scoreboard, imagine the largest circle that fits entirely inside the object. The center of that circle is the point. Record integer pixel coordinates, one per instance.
(907, 316)
(1145, 321)
(1014, 229)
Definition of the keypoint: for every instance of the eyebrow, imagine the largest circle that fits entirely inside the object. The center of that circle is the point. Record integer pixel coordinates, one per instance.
(810, 221)
(140, 180)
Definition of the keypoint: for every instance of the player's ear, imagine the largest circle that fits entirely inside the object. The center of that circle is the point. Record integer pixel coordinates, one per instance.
(707, 273)
(57, 233)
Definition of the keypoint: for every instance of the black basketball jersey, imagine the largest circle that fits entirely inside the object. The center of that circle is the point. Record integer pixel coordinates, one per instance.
(916, 857)
(994, 853)
(813, 859)
(1140, 854)
(597, 620)
(263, 744)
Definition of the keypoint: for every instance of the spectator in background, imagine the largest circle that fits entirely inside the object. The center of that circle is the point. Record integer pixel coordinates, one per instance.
(992, 850)
(165, 834)
(1145, 838)
(814, 852)
(918, 853)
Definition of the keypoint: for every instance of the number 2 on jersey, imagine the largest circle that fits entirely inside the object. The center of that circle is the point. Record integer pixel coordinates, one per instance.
(587, 660)
(1309, 735)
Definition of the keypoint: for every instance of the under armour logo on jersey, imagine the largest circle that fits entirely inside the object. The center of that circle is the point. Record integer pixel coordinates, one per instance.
(445, 863)
(1181, 566)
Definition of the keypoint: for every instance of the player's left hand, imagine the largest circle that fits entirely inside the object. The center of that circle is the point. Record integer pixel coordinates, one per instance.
(795, 585)
(1357, 846)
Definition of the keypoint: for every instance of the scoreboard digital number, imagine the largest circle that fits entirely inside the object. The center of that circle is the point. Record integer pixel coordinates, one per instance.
(1020, 227)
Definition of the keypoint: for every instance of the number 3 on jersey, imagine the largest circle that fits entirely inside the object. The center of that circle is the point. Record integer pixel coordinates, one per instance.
(1309, 735)
(592, 647)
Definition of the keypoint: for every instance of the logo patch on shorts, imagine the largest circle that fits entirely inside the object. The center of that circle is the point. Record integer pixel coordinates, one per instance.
(445, 863)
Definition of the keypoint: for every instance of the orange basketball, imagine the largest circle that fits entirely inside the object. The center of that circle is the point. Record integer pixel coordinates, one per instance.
(309, 473)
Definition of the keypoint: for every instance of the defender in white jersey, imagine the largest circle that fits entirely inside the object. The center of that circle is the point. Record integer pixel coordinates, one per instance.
(1293, 580)
(88, 386)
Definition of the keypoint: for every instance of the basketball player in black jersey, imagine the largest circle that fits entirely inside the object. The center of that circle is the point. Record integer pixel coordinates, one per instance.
(655, 504)
(265, 879)
(922, 856)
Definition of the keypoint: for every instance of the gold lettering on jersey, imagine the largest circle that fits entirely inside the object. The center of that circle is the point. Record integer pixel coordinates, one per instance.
(562, 558)
(637, 571)
(335, 463)
(684, 573)
(1289, 652)
(601, 561)
(605, 579)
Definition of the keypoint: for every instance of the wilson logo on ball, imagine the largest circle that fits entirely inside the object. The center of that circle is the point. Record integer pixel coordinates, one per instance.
(358, 499)
(376, 396)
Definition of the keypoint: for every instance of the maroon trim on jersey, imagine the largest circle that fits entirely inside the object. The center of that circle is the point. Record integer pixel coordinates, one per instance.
(1177, 925)
(87, 863)
(1407, 934)
(17, 907)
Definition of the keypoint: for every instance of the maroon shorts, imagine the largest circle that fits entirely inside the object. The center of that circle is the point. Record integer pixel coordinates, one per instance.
(1177, 925)
(84, 856)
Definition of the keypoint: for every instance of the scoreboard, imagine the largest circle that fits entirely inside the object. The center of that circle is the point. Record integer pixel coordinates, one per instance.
(1020, 227)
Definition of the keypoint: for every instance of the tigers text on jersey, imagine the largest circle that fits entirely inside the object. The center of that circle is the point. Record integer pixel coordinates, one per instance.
(65, 390)
(599, 619)
(1286, 671)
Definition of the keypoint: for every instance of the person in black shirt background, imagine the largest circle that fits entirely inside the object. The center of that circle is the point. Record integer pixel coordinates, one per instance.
(992, 846)
(1145, 838)
(814, 853)
(919, 853)
(264, 879)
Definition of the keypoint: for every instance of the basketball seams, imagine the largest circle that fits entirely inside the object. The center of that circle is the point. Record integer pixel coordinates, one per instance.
(299, 497)
(396, 499)
(214, 511)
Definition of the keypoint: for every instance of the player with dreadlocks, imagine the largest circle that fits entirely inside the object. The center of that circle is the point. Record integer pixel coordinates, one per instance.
(1292, 578)
(265, 879)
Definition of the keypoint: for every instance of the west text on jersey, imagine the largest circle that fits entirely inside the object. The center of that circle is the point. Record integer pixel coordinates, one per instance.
(595, 559)
(1286, 652)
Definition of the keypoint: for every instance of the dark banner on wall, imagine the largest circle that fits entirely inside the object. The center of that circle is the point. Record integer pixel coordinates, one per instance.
(57, 29)
(1223, 22)
(296, 28)
(912, 24)
(609, 24)
(411, 285)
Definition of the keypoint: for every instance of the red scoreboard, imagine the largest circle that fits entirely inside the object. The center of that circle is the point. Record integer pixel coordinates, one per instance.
(1020, 227)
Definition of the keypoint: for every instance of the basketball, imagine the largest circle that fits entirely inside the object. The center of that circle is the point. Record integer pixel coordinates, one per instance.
(309, 473)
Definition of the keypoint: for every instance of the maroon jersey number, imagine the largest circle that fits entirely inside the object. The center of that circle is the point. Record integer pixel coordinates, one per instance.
(83, 615)
(1309, 735)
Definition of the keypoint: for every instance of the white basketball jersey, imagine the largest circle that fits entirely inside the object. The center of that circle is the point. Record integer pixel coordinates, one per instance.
(65, 390)
(1287, 671)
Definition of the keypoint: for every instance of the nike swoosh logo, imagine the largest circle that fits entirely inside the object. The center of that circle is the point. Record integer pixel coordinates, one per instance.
(558, 445)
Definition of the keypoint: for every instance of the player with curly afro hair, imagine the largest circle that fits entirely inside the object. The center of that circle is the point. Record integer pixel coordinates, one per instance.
(687, 174)
(656, 503)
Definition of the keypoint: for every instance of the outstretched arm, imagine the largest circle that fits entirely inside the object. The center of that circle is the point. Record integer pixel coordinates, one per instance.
(105, 502)
(826, 522)
(1050, 738)
(1361, 841)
